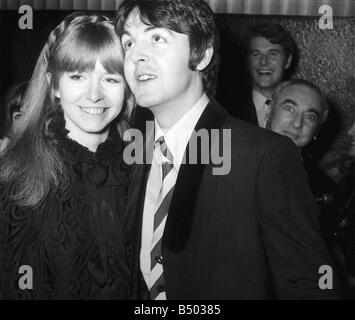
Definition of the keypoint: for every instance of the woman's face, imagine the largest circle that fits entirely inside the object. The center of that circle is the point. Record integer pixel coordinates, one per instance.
(16, 116)
(90, 101)
(351, 133)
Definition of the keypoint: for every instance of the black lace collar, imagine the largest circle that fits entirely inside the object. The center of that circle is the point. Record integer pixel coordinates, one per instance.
(103, 166)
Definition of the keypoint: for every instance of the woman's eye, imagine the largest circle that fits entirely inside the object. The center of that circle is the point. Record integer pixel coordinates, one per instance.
(112, 80)
(17, 116)
(76, 77)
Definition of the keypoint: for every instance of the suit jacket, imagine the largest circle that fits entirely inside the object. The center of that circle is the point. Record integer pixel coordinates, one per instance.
(243, 106)
(250, 234)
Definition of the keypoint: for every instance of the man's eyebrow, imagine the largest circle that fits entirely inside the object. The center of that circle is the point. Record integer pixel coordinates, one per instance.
(147, 29)
(289, 101)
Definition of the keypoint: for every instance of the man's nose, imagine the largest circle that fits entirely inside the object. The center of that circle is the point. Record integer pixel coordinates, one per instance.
(95, 91)
(264, 60)
(298, 122)
(139, 52)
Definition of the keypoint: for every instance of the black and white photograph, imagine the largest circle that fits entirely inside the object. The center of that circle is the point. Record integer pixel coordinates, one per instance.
(192, 151)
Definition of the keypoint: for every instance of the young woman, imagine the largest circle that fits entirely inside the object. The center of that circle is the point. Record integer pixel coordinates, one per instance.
(13, 103)
(63, 180)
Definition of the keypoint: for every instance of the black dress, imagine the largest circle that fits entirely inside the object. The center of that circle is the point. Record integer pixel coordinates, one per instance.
(74, 241)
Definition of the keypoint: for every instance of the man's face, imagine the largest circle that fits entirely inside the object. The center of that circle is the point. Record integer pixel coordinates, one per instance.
(297, 114)
(156, 65)
(267, 64)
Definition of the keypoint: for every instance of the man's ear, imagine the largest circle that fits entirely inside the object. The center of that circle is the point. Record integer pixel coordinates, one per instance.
(325, 116)
(205, 60)
(316, 133)
(49, 80)
(288, 63)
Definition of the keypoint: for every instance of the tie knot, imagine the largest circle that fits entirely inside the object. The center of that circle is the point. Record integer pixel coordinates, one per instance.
(267, 101)
(164, 149)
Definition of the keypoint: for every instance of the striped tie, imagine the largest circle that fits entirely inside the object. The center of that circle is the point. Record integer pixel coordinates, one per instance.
(157, 289)
(263, 113)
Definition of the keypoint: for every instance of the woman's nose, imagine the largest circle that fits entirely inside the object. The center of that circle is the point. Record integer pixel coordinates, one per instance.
(95, 91)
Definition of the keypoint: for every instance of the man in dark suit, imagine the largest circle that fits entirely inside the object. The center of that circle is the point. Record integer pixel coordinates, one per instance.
(271, 57)
(198, 227)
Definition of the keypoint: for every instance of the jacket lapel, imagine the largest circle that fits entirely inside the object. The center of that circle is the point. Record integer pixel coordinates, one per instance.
(250, 110)
(139, 178)
(181, 212)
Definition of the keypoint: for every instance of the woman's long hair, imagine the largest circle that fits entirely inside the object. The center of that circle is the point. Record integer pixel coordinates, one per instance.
(32, 163)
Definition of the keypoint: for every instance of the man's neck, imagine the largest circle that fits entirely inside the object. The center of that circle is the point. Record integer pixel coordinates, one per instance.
(172, 111)
(266, 92)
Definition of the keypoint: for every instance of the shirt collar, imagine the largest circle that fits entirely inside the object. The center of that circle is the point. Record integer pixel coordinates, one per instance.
(177, 137)
(258, 99)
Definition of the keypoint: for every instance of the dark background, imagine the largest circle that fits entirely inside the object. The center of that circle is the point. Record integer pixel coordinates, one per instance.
(326, 58)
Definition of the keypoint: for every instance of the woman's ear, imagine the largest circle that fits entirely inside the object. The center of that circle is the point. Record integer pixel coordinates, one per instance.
(206, 59)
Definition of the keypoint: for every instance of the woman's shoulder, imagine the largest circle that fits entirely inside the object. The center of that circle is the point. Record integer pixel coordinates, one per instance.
(3, 143)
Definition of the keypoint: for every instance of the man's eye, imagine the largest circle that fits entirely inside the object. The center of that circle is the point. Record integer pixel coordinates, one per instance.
(127, 44)
(158, 38)
(311, 116)
(273, 53)
(255, 55)
(289, 108)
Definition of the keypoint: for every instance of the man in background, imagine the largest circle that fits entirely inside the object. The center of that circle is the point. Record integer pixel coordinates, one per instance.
(271, 58)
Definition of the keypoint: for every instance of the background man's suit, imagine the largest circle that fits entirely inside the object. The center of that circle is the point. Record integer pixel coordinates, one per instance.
(243, 106)
(251, 234)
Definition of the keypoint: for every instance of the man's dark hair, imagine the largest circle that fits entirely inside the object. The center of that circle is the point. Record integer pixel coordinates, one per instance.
(276, 34)
(191, 17)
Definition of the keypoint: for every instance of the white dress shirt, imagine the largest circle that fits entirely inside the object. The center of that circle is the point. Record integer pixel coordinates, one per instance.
(260, 106)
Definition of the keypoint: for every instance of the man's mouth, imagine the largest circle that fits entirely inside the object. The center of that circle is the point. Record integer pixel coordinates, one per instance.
(264, 72)
(93, 110)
